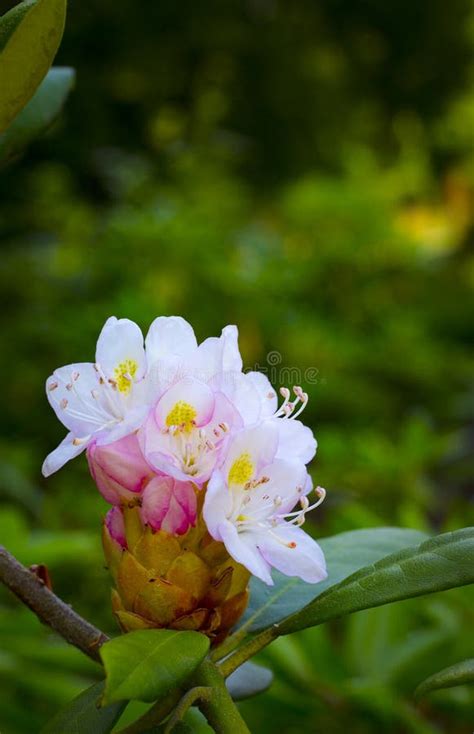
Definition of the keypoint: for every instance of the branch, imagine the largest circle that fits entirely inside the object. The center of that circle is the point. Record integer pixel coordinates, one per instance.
(199, 693)
(49, 608)
(254, 645)
(155, 715)
(219, 709)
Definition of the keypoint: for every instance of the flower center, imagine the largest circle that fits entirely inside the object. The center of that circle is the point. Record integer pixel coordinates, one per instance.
(124, 374)
(241, 470)
(182, 415)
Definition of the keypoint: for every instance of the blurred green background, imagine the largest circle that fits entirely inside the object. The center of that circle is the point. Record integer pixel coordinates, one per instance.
(305, 170)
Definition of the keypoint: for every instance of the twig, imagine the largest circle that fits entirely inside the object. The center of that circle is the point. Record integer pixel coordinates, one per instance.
(155, 715)
(219, 709)
(254, 645)
(49, 608)
(199, 693)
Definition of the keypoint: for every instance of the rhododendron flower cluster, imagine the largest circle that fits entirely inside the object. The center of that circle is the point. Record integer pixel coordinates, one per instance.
(206, 473)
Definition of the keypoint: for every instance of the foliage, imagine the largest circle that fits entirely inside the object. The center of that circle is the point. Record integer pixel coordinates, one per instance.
(30, 34)
(147, 664)
(39, 113)
(454, 675)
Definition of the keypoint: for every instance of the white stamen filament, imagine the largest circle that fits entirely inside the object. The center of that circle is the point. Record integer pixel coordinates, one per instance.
(191, 446)
(287, 408)
(267, 517)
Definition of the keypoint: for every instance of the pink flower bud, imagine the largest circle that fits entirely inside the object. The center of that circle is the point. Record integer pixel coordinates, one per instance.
(169, 505)
(115, 526)
(119, 469)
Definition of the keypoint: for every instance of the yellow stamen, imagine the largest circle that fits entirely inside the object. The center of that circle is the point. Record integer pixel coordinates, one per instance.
(182, 414)
(241, 470)
(124, 374)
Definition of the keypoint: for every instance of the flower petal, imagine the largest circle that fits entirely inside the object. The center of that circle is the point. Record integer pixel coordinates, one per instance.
(296, 440)
(241, 392)
(293, 552)
(217, 503)
(115, 525)
(286, 480)
(187, 400)
(169, 505)
(266, 392)
(258, 444)
(130, 422)
(66, 450)
(119, 469)
(169, 336)
(243, 548)
(218, 354)
(120, 349)
(70, 391)
(231, 359)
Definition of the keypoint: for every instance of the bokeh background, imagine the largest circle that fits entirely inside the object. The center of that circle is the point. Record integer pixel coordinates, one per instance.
(304, 170)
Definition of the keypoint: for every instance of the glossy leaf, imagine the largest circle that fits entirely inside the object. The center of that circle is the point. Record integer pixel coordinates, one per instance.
(345, 553)
(248, 680)
(12, 19)
(30, 35)
(437, 564)
(147, 664)
(39, 113)
(83, 715)
(456, 675)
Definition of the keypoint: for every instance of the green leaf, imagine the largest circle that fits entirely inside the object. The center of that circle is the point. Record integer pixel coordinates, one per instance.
(248, 680)
(11, 20)
(30, 35)
(83, 716)
(147, 664)
(39, 113)
(345, 553)
(437, 564)
(456, 675)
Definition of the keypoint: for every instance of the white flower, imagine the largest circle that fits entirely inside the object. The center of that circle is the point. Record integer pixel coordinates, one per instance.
(110, 399)
(248, 506)
(173, 353)
(102, 401)
(187, 431)
(255, 391)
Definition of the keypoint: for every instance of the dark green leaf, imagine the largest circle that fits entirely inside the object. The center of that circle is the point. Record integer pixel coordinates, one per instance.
(248, 680)
(29, 38)
(345, 553)
(39, 113)
(83, 716)
(437, 564)
(11, 20)
(147, 664)
(456, 675)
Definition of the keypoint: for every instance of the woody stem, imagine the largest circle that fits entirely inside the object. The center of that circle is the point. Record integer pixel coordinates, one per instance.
(49, 608)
